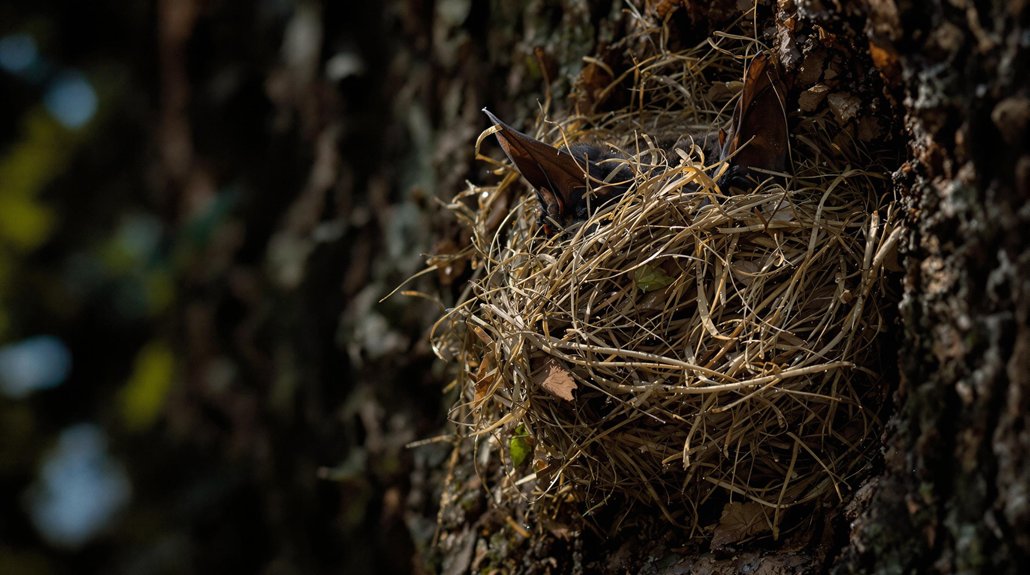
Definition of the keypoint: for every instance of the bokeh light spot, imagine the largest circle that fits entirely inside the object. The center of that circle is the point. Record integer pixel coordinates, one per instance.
(80, 488)
(33, 364)
(18, 53)
(71, 100)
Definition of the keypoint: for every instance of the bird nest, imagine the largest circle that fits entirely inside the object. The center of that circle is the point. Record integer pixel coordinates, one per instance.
(682, 345)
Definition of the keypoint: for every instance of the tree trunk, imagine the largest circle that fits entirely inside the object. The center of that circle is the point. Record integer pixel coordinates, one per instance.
(369, 114)
(951, 495)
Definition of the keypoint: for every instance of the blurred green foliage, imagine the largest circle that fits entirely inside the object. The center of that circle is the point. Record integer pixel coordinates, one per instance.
(142, 399)
(262, 422)
(26, 221)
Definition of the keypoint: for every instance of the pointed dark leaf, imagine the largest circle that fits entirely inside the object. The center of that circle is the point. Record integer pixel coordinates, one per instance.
(758, 135)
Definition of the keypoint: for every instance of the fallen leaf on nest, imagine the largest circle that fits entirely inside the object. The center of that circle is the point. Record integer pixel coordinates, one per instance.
(485, 376)
(650, 278)
(555, 379)
(739, 522)
(520, 446)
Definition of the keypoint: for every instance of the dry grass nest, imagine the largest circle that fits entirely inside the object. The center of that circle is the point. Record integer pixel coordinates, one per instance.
(681, 344)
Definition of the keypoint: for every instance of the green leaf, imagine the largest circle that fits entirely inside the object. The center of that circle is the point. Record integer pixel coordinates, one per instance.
(520, 445)
(650, 278)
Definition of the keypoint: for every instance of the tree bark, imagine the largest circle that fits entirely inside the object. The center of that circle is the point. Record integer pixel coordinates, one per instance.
(952, 498)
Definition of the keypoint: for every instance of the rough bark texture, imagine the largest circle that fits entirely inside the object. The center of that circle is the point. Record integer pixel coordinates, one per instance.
(953, 497)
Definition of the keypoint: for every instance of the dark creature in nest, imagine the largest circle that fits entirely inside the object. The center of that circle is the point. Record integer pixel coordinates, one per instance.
(573, 182)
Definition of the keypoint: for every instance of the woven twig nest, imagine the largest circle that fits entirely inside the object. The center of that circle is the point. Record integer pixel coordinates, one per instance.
(681, 343)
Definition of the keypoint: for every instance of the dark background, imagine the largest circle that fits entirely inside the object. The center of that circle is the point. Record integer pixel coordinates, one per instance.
(199, 257)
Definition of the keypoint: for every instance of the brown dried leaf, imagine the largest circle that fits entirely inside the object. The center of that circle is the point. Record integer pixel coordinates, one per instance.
(665, 7)
(556, 380)
(485, 376)
(739, 522)
(592, 84)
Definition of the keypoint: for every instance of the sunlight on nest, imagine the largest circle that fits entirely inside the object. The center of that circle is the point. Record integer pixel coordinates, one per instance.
(683, 343)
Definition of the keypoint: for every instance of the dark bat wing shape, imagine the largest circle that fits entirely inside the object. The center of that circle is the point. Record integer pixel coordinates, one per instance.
(560, 175)
(758, 133)
(557, 178)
